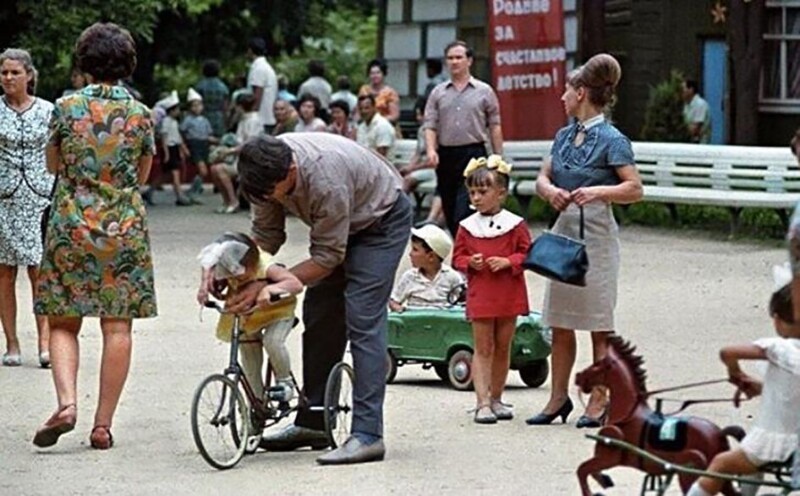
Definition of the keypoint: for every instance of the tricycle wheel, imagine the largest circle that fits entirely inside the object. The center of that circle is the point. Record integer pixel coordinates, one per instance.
(391, 368)
(535, 374)
(441, 371)
(459, 370)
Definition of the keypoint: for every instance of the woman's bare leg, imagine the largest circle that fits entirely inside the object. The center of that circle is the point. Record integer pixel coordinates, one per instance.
(42, 327)
(116, 360)
(8, 307)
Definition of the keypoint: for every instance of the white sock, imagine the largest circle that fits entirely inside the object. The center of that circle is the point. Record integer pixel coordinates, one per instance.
(696, 490)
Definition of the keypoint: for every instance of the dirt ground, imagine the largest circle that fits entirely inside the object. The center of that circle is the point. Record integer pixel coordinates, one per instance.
(682, 296)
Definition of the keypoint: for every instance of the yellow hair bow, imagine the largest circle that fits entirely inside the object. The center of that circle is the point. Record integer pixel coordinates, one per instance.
(492, 162)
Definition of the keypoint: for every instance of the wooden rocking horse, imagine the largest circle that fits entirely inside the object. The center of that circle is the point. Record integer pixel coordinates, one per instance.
(687, 441)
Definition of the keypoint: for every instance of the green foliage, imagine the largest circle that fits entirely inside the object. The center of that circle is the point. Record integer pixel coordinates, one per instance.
(345, 40)
(51, 28)
(663, 120)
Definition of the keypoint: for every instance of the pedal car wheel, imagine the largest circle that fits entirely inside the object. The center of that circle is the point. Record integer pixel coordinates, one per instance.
(220, 421)
(459, 370)
(441, 371)
(339, 404)
(534, 374)
(391, 368)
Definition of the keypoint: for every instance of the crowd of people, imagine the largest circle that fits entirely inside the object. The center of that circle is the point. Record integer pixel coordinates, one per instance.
(70, 189)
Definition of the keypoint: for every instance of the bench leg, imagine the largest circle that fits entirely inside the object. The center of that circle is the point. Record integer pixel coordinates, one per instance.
(673, 213)
(735, 214)
(784, 216)
(418, 199)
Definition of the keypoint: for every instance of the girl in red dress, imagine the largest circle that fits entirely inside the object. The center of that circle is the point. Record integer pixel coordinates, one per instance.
(489, 248)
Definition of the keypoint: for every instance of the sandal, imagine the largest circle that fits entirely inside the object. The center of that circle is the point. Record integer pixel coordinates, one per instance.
(101, 438)
(59, 423)
(44, 360)
(12, 359)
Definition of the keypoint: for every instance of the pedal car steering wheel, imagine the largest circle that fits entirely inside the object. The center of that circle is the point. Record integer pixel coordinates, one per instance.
(457, 295)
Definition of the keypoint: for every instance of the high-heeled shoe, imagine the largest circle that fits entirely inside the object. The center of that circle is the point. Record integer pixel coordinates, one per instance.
(548, 418)
(585, 421)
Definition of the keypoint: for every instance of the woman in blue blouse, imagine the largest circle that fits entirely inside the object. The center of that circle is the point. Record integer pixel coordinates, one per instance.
(591, 167)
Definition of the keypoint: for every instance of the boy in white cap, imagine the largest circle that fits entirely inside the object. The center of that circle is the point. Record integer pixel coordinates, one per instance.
(198, 133)
(430, 280)
(174, 148)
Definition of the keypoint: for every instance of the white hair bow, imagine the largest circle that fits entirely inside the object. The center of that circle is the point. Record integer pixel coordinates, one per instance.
(224, 258)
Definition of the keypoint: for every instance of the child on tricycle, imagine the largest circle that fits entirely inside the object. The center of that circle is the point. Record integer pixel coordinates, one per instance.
(229, 263)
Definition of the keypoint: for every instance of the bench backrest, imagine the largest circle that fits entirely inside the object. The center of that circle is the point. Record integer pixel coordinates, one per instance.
(724, 167)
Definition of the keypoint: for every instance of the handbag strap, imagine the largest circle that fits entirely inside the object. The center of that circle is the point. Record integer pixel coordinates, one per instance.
(581, 221)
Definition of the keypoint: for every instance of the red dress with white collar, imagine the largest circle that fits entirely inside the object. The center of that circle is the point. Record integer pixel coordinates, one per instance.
(493, 294)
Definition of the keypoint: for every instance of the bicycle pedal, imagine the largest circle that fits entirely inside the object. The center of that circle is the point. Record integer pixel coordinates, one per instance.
(252, 444)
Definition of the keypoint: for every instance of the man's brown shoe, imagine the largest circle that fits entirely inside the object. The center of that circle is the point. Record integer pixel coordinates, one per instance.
(353, 451)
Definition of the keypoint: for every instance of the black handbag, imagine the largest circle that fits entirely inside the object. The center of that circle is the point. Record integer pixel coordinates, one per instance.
(559, 257)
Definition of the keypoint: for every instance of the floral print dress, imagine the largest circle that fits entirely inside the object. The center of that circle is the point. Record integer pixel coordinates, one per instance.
(97, 259)
(25, 184)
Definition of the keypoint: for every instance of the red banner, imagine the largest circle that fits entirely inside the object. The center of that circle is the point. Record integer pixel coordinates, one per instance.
(528, 54)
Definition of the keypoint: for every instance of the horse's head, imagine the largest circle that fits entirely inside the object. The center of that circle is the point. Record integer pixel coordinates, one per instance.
(595, 374)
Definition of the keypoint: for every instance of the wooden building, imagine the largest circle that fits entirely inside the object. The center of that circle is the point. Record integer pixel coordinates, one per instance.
(745, 54)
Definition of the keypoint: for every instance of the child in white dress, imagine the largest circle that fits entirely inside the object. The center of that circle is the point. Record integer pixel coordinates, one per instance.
(774, 436)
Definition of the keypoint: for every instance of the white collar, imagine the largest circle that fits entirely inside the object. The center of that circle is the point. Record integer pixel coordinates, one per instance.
(491, 226)
(590, 123)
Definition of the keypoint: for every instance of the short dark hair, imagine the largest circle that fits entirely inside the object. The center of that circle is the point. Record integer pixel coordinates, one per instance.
(458, 43)
(246, 100)
(343, 82)
(257, 45)
(316, 68)
(368, 96)
(106, 51)
(308, 97)
(380, 64)
(424, 244)
(692, 85)
(211, 68)
(263, 162)
(780, 304)
(434, 65)
(340, 104)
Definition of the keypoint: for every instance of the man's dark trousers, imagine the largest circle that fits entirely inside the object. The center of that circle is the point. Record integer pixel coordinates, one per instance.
(351, 304)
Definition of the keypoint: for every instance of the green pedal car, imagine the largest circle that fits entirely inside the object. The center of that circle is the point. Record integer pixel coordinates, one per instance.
(441, 339)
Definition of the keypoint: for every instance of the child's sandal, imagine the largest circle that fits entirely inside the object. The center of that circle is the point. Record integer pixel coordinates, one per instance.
(101, 438)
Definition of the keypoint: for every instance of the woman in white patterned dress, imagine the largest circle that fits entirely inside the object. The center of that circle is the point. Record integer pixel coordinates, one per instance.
(25, 187)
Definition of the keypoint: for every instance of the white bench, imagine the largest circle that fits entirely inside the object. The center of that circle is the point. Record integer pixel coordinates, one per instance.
(728, 176)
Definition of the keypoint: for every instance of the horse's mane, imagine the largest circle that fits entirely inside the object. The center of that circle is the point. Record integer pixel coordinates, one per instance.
(625, 351)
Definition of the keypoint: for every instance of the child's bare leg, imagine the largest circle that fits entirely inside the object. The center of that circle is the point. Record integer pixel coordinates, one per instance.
(176, 183)
(729, 462)
(483, 335)
(503, 334)
(252, 362)
(275, 344)
(202, 169)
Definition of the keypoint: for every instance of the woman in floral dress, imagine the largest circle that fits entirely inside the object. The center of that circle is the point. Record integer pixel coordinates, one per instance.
(97, 260)
(25, 187)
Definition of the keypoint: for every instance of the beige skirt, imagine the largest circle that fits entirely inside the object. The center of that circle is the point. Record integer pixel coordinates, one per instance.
(591, 307)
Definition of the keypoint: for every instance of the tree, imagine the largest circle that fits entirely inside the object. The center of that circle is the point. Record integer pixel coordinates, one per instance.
(48, 29)
(745, 37)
